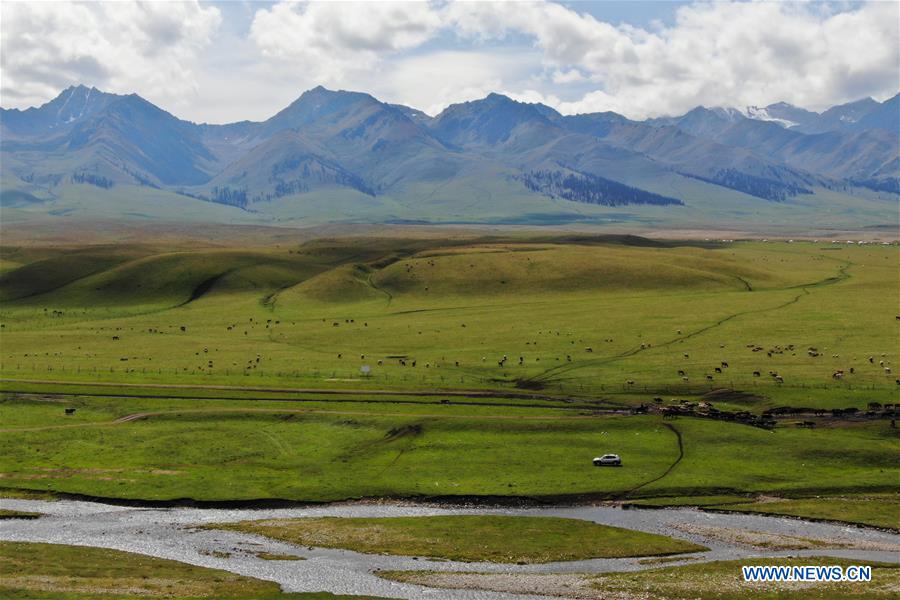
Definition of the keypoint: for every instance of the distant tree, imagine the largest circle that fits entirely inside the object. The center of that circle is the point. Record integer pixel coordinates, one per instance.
(91, 179)
(761, 187)
(590, 189)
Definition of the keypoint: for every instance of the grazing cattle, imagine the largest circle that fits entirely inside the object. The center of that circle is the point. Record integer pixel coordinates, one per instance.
(681, 372)
(852, 370)
(340, 356)
(872, 359)
(115, 338)
(629, 382)
(724, 365)
(709, 377)
(684, 379)
(779, 379)
(718, 370)
(70, 411)
(887, 370)
(686, 355)
(837, 375)
(756, 373)
(589, 349)
(658, 400)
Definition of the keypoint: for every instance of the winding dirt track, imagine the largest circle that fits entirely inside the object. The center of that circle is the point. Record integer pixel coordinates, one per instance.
(555, 373)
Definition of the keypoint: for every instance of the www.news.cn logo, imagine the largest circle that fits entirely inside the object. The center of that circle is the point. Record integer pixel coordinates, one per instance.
(807, 573)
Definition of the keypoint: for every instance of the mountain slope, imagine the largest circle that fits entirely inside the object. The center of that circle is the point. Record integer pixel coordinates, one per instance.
(348, 156)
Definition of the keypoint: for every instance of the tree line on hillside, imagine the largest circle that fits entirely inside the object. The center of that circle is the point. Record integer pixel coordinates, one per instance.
(590, 189)
(760, 187)
(91, 179)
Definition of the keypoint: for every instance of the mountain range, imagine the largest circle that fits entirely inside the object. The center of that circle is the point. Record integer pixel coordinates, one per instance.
(346, 156)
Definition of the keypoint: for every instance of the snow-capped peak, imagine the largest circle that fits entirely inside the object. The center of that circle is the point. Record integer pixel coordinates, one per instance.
(762, 114)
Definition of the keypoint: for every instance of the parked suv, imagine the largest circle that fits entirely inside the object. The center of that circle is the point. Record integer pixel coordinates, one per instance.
(608, 460)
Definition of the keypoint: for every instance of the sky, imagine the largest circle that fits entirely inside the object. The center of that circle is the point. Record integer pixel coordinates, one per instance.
(222, 62)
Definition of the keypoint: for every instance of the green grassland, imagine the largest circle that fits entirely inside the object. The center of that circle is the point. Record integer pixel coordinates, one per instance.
(878, 510)
(315, 451)
(247, 362)
(467, 303)
(469, 538)
(717, 580)
(57, 572)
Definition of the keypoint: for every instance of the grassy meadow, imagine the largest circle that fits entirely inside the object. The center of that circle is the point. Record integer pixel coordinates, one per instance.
(719, 580)
(235, 373)
(469, 538)
(58, 572)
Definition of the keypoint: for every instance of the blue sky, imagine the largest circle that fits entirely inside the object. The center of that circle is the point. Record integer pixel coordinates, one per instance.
(222, 62)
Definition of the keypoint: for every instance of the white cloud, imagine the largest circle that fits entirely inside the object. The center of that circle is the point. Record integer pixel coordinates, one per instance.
(430, 54)
(118, 46)
(335, 40)
(721, 53)
(435, 80)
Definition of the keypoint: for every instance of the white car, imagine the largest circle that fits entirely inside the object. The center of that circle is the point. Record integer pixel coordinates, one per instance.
(608, 460)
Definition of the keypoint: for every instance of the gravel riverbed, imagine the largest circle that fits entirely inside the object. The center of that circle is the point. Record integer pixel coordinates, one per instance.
(168, 533)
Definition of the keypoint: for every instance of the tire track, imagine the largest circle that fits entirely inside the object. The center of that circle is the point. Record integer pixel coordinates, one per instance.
(554, 373)
(667, 471)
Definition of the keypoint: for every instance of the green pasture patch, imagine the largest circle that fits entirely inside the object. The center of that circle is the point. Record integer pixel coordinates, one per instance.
(59, 572)
(492, 538)
(723, 581)
(877, 510)
(664, 501)
(18, 514)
